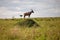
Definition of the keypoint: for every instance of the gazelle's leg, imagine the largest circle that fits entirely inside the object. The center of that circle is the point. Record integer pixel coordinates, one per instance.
(29, 16)
(24, 16)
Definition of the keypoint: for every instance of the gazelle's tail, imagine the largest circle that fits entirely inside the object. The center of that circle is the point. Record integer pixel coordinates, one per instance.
(21, 15)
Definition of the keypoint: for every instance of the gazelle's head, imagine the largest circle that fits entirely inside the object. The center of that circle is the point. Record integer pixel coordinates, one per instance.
(32, 11)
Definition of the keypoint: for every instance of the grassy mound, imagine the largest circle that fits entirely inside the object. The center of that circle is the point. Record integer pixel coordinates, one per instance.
(28, 23)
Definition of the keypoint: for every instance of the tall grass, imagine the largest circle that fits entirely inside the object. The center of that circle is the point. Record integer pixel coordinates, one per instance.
(48, 29)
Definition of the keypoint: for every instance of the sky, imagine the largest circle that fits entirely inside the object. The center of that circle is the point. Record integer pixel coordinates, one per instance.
(41, 8)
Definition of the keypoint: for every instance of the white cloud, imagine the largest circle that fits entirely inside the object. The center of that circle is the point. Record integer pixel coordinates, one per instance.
(18, 8)
(54, 10)
(9, 8)
(15, 1)
(6, 13)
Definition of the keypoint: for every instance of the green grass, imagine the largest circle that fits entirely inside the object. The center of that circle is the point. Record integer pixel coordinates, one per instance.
(30, 29)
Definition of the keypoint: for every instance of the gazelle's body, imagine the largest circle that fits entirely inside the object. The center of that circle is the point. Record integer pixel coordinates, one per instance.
(28, 13)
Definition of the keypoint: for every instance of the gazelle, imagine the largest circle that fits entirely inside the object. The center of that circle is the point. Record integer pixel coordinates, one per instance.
(28, 13)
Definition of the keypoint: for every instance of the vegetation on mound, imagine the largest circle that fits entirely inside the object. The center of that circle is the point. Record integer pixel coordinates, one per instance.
(28, 23)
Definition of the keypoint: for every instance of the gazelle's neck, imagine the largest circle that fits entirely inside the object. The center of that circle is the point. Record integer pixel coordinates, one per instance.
(31, 12)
